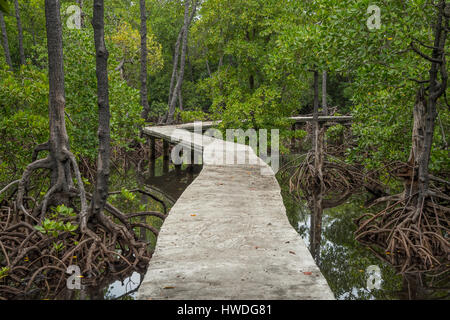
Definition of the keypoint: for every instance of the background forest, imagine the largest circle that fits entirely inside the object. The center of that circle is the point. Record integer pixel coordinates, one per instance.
(242, 61)
(250, 64)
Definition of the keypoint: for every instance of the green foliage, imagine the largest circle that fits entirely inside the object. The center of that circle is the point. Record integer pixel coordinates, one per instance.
(248, 91)
(81, 89)
(54, 227)
(24, 102)
(4, 272)
(129, 196)
(4, 7)
(193, 115)
(23, 118)
(64, 211)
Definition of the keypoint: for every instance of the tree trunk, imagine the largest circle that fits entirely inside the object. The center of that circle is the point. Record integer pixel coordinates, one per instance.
(185, 33)
(324, 93)
(80, 4)
(435, 92)
(5, 40)
(59, 139)
(144, 54)
(60, 159)
(425, 113)
(418, 133)
(208, 68)
(316, 107)
(100, 195)
(318, 138)
(425, 116)
(176, 58)
(20, 32)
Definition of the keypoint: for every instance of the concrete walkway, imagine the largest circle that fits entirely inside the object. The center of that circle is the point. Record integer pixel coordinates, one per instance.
(228, 236)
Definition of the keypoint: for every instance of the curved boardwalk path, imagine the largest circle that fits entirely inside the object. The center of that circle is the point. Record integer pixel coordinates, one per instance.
(228, 236)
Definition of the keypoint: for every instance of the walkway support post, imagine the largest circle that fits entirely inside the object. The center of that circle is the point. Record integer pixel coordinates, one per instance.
(166, 156)
(152, 160)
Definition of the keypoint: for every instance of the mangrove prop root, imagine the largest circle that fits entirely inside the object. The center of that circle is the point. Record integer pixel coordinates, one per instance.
(336, 176)
(34, 264)
(413, 238)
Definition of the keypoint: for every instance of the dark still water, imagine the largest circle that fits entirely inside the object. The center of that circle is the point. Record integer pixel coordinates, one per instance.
(346, 264)
(341, 259)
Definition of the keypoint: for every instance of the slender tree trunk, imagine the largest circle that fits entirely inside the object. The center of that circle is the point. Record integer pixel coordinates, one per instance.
(60, 160)
(316, 226)
(184, 34)
(316, 106)
(176, 59)
(324, 93)
(80, 4)
(324, 105)
(100, 195)
(5, 40)
(57, 101)
(20, 32)
(208, 68)
(436, 90)
(144, 54)
(318, 138)
(425, 112)
(177, 89)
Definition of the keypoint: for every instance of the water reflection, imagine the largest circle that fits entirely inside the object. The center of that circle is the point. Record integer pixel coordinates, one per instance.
(328, 231)
(165, 181)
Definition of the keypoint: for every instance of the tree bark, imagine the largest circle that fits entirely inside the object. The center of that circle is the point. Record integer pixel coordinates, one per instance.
(60, 161)
(20, 32)
(436, 90)
(5, 41)
(80, 4)
(176, 59)
(319, 133)
(58, 134)
(315, 106)
(144, 54)
(324, 93)
(100, 195)
(425, 113)
(185, 34)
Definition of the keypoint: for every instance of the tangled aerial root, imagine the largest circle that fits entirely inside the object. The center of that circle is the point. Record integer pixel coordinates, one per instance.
(411, 238)
(336, 176)
(34, 264)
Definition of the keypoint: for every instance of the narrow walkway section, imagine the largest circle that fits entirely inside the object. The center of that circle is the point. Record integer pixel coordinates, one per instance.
(228, 236)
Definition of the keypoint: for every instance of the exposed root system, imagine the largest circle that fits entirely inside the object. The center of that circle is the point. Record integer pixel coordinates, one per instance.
(413, 238)
(34, 264)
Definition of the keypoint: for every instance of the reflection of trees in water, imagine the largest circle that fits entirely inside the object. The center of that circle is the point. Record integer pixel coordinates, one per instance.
(104, 290)
(170, 183)
(343, 261)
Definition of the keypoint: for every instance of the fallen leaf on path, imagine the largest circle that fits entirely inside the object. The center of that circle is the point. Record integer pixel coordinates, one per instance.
(291, 252)
(307, 273)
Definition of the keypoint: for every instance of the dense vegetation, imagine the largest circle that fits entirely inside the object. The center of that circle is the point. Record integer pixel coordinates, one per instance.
(251, 64)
